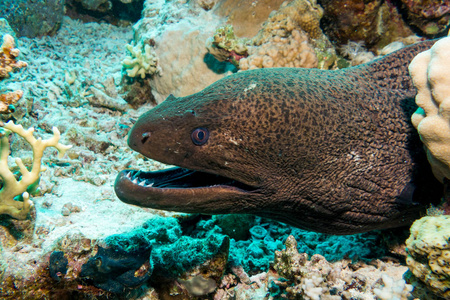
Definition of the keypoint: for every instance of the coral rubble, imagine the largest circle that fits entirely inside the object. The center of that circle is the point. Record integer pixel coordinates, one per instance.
(316, 278)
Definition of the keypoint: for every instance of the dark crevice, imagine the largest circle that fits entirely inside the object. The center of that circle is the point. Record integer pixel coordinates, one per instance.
(116, 14)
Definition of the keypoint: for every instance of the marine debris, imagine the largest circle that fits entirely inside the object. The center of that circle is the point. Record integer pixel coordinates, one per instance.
(12, 188)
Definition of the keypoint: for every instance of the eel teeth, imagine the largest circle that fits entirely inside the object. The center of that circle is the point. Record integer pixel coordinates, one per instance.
(142, 183)
(135, 181)
(128, 175)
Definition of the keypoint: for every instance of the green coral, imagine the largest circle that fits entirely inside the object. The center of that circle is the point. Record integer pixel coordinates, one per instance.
(225, 38)
(225, 46)
(141, 61)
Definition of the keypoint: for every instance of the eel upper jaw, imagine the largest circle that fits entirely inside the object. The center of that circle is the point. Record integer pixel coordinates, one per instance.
(179, 189)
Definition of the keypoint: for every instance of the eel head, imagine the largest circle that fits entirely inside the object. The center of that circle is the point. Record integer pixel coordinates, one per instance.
(204, 140)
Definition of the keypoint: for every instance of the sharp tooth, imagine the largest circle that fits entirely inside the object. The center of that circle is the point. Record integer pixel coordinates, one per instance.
(142, 183)
(150, 184)
(135, 181)
(128, 175)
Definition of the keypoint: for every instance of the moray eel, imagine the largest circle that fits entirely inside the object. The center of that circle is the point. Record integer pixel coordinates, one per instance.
(327, 151)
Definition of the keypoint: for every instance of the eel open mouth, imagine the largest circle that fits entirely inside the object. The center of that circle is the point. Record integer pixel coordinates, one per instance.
(176, 188)
(177, 177)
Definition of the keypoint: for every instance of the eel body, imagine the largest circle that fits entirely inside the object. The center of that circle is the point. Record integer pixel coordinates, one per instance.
(328, 151)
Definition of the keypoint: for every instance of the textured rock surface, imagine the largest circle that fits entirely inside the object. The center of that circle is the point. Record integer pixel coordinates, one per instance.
(429, 16)
(178, 34)
(5, 28)
(246, 16)
(429, 253)
(185, 69)
(374, 22)
(33, 18)
(316, 278)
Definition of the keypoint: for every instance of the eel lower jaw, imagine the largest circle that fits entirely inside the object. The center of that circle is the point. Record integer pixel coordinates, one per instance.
(179, 189)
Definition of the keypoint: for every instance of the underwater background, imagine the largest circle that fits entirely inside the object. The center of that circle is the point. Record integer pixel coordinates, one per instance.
(90, 68)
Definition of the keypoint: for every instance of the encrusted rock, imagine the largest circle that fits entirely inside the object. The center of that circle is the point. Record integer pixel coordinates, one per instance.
(33, 18)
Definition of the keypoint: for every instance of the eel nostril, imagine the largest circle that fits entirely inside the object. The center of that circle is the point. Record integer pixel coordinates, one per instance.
(145, 137)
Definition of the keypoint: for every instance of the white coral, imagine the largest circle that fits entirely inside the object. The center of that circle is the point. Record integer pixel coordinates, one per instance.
(393, 289)
(141, 62)
(430, 71)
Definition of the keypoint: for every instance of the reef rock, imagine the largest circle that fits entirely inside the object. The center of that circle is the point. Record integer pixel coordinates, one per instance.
(112, 11)
(431, 17)
(185, 66)
(316, 278)
(5, 28)
(33, 18)
(429, 253)
(291, 37)
(246, 16)
(374, 22)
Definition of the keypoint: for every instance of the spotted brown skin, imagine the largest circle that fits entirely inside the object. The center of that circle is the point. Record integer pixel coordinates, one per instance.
(329, 151)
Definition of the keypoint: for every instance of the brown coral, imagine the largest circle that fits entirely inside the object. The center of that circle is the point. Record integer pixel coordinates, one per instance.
(429, 16)
(307, 14)
(377, 23)
(8, 55)
(9, 63)
(8, 100)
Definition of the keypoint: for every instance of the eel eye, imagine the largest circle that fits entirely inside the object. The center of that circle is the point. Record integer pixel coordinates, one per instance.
(200, 136)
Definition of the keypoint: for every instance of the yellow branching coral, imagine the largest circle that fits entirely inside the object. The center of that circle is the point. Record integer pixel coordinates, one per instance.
(142, 61)
(13, 187)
